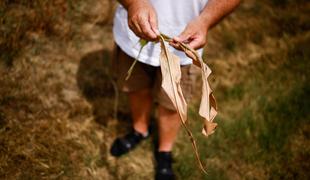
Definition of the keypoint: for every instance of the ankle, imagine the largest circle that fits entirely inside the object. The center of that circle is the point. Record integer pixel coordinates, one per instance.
(142, 130)
(165, 147)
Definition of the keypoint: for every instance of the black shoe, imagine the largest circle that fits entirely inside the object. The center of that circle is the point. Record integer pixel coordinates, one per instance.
(164, 166)
(125, 144)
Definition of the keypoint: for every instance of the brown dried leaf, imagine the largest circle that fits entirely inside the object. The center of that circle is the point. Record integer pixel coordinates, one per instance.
(208, 107)
(171, 80)
(171, 77)
(209, 128)
(171, 74)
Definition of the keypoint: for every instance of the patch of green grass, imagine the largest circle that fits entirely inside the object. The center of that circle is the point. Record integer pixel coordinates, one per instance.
(253, 140)
(235, 92)
(283, 118)
(258, 137)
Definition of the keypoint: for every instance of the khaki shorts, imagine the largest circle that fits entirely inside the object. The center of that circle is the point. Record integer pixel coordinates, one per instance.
(145, 76)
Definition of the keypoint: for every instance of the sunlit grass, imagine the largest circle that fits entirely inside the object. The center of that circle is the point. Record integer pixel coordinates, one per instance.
(259, 136)
(56, 100)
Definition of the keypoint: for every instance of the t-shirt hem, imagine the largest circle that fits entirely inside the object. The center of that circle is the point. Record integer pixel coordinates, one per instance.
(143, 58)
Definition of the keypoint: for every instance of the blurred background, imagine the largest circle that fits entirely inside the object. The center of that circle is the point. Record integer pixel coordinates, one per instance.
(58, 115)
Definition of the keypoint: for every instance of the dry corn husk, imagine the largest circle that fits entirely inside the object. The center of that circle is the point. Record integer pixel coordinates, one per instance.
(171, 77)
(208, 108)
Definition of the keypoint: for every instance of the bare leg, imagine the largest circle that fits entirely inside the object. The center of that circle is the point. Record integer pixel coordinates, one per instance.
(140, 105)
(168, 126)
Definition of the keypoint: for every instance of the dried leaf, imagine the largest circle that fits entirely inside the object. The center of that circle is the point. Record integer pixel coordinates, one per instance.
(171, 80)
(171, 75)
(208, 108)
(170, 67)
(171, 84)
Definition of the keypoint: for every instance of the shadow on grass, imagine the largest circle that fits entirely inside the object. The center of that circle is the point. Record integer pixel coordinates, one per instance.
(96, 82)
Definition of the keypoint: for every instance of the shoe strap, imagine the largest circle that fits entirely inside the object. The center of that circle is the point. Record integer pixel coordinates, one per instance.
(134, 137)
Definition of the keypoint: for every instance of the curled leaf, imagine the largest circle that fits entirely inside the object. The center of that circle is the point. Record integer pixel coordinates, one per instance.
(171, 74)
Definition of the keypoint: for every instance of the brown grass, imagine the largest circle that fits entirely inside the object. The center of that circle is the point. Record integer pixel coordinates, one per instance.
(56, 96)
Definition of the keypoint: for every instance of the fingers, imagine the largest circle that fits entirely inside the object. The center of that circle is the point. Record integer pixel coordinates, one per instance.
(146, 29)
(194, 35)
(193, 42)
(153, 23)
(184, 36)
(175, 44)
(197, 42)
(193, 39)
(145, 26)
(135, 27)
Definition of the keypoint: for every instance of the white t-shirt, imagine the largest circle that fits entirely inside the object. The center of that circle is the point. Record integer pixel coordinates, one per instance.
(173, 16)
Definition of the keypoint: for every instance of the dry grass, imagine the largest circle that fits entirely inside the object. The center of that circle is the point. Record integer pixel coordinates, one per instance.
(56, 96)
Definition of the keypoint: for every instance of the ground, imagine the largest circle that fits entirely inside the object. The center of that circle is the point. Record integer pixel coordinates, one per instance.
(57, 96)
